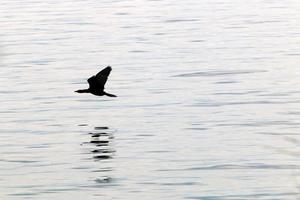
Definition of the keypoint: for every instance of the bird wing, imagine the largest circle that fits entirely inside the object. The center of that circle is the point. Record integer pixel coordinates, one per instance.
(92, 82)
(100, 79)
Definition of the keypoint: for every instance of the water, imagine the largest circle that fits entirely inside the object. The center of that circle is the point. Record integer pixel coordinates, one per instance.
(208, 100)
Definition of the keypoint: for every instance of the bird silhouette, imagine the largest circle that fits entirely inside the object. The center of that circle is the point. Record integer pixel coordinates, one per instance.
(97, 83)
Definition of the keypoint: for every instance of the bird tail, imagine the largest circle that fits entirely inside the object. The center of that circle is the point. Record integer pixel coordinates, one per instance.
(110, 95)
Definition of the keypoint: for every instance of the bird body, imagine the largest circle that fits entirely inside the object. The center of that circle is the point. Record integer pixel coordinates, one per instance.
(97, 82)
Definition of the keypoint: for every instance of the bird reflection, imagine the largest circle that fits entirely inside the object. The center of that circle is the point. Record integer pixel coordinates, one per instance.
(103, 180)
(101, 141)
(102, 151)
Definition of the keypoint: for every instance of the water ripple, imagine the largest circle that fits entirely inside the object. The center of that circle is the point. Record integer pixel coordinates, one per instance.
(220, 73)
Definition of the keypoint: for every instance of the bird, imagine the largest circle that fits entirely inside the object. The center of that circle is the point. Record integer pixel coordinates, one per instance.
(97, 82)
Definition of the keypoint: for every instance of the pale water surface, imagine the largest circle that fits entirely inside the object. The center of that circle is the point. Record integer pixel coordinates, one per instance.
(208, 106)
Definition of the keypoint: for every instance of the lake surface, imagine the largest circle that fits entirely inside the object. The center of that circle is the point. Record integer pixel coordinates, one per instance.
(208, 102)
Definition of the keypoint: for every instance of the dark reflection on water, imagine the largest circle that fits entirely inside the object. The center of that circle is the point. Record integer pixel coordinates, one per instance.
(82, 124)
(101, 143)
(101, 128)
(103, 180)
(101, 149)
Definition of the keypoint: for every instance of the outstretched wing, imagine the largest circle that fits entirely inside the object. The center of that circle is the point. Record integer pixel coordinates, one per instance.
(98, 81)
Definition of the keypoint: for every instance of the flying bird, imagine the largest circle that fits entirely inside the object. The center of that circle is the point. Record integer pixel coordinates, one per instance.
(97, 83)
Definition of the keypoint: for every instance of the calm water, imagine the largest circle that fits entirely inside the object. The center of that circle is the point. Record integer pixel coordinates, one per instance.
(208, 106)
